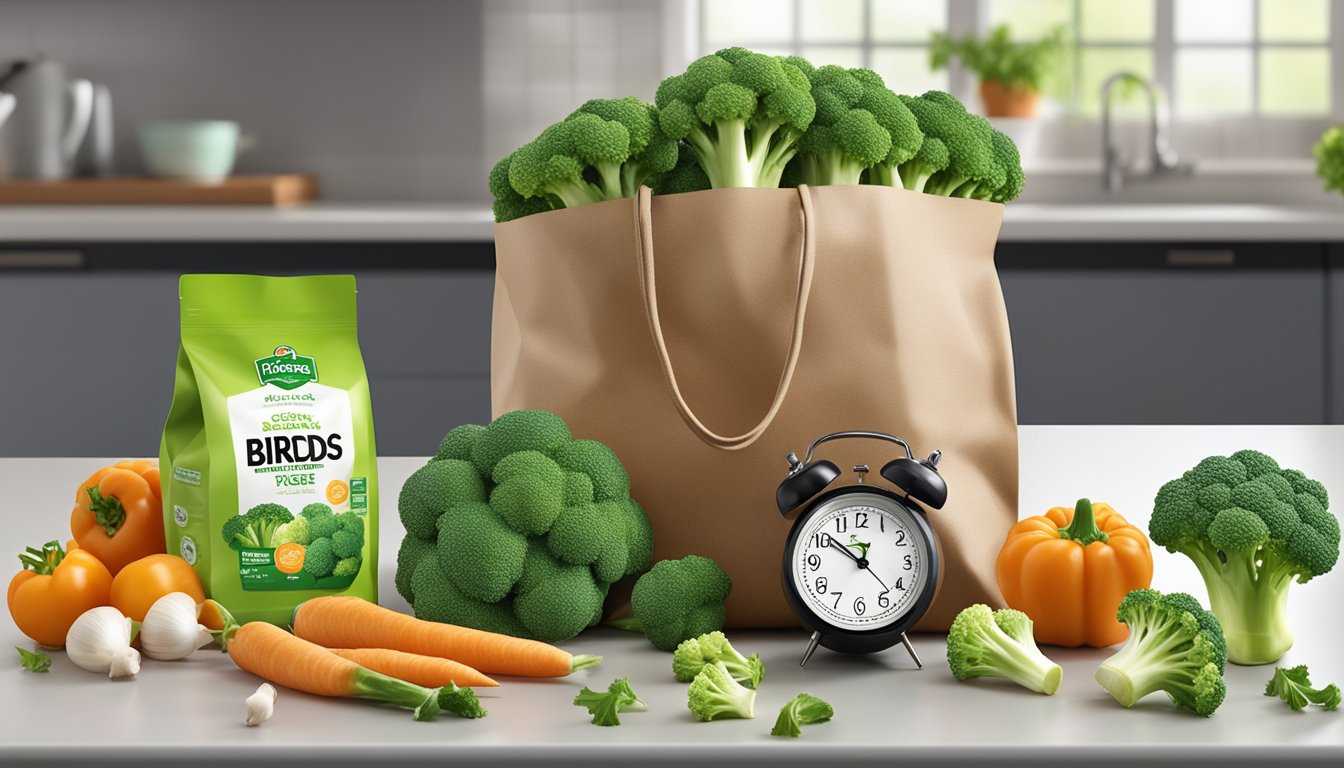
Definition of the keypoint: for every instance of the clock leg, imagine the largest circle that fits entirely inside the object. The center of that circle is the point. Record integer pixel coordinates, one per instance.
(811, 648)
(911, 650)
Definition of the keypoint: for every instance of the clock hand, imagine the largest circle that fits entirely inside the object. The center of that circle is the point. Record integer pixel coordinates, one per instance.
(857, 560)
(879, 579)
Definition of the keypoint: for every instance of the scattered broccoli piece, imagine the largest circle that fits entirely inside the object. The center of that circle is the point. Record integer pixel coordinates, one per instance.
(803, 709)
(692, 655)
(605, 707)
(319, 559)
(348, 566)
(296, 531)
(967, 138)
(481, 555)
(680, 599)
(715, 695)
(987, 643)
(742, 113)
(432, 489)
(1174, 646)
(255, 527)
(1252, 529)
(460, 701)
(1294, 687)
(33, 661)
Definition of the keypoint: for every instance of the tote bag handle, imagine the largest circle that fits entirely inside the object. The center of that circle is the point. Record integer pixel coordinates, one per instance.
(644, 243)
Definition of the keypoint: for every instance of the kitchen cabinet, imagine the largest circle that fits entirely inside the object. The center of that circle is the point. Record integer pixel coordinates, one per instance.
(1150, 334)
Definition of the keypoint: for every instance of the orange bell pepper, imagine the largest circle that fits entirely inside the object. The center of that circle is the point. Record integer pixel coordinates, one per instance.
(141, 583)
(118, 514)
(54, 589)
(1069, 569)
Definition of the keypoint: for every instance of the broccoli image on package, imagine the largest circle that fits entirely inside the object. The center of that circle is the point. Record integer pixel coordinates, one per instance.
(517, 527)
(335, 542)
(1252, 529)
(256, 527)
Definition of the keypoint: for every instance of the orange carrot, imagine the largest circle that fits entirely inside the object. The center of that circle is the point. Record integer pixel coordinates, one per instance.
(275, 655)
(429, 671)
(351, 622)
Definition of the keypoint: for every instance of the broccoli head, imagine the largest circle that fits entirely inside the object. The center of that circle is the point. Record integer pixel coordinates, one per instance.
(318, 558)
(692, 655)
(931, 158)
(715, 695)
(680, 599)
(859, 126)
(510, 205)
(985, 643)
(1174, 646)
(1252, 529)
(255, 527)
(742, 113)
(967, 138)
(527, 526)
(685, 176)
(803, 709)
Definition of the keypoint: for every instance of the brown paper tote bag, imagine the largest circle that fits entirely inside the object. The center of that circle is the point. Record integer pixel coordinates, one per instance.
(763, 319)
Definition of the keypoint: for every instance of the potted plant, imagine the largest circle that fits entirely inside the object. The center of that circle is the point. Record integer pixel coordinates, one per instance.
(1012, 74)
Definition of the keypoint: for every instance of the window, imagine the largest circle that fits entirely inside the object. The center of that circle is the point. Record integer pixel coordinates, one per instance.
(888, 36)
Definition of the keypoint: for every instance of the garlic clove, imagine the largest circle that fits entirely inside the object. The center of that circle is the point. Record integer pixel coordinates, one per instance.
(170, 629)
(261, 705)
(100, 641)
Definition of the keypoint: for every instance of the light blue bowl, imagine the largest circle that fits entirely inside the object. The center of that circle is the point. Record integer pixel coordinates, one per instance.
(194, 150)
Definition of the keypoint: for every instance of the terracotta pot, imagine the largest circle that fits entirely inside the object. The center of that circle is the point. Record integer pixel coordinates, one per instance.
(1008, 102)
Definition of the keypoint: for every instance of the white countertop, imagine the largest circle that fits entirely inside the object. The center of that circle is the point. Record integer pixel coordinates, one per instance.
(190, 713)
(448, 222)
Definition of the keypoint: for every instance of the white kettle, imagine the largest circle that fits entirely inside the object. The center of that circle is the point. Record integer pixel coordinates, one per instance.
(50, 118)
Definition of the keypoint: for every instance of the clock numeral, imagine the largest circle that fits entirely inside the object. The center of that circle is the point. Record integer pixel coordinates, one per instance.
(841, 524)
(821, 540)
(900, 538)
(838, 595)
(883, 601)
(860, 519)
(908, 563)
(882, 524)
(814, 561)
(821, 584)
(900, 584)
(859, 606)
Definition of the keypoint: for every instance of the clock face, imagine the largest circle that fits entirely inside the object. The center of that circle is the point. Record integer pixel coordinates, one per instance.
(860, 562)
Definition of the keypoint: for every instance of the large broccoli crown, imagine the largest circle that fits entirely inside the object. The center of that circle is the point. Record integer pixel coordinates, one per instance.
(741, 112)
(521, 517)
(967, 137)
(680, 599)
(986, 643)
(1174, 646)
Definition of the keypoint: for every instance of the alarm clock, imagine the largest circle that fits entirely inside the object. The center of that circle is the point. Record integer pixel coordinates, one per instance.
(861, 563)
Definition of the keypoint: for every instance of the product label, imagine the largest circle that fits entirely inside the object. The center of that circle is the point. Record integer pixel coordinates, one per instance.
(294, 447)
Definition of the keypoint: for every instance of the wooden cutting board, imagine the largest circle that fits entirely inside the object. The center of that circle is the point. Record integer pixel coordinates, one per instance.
(283, 189)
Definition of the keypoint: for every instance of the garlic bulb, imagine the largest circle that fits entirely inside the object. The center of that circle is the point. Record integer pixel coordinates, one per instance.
(170, 630)
(261, 705)
(100, 641)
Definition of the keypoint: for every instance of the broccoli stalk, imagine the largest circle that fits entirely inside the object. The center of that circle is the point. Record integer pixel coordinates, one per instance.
(715, 695)
(1251, 529)
(1174, 646)
(987, 643)
(803, 709)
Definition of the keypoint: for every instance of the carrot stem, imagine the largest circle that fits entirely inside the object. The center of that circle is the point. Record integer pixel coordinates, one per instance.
(387, 690)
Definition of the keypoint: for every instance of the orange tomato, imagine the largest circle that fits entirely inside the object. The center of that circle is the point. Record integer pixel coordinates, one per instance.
(118, 514)
(54, 589)
(144, 581)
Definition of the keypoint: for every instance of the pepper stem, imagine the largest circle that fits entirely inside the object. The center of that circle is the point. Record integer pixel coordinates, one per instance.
(107, 510)
(1084, 528)
(42, 561)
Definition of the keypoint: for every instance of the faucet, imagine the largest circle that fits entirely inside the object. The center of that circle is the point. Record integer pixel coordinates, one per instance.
(1164, 159)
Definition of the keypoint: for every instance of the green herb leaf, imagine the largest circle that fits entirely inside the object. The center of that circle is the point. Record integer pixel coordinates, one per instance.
(33, 661)
(605, 707)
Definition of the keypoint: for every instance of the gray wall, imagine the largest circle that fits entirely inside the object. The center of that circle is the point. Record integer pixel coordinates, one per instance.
(381, 99)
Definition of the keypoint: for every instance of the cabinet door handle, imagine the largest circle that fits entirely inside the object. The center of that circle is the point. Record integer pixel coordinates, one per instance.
(1191, 257)
(37, 259)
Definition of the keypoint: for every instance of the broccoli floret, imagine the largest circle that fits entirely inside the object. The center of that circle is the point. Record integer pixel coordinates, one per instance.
(577, 536)
(803, 709)
(346, 544)
(509, 205)
(323, 527)
(1294, 687)
(555, 601)
(432, 489)
(457, 444)
(1252, 529)
(686, 176)
(1007, 156)
(413, 550)
(460, 701)
(319, 559)
(347, 566)
(540, 431)
(435, 599)
(967, 138)
(715, 695)
(296, 531)
(638, 537)
(680, 599)
(606, 706)
(315, 510)
(860, 126)
(987, 643)
(599, 463)
(742, 113)
(255, 527)
(1174, 646)
(529, 492)
(481, 555)
(652, 152)
(931, 158)
(692, 655)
